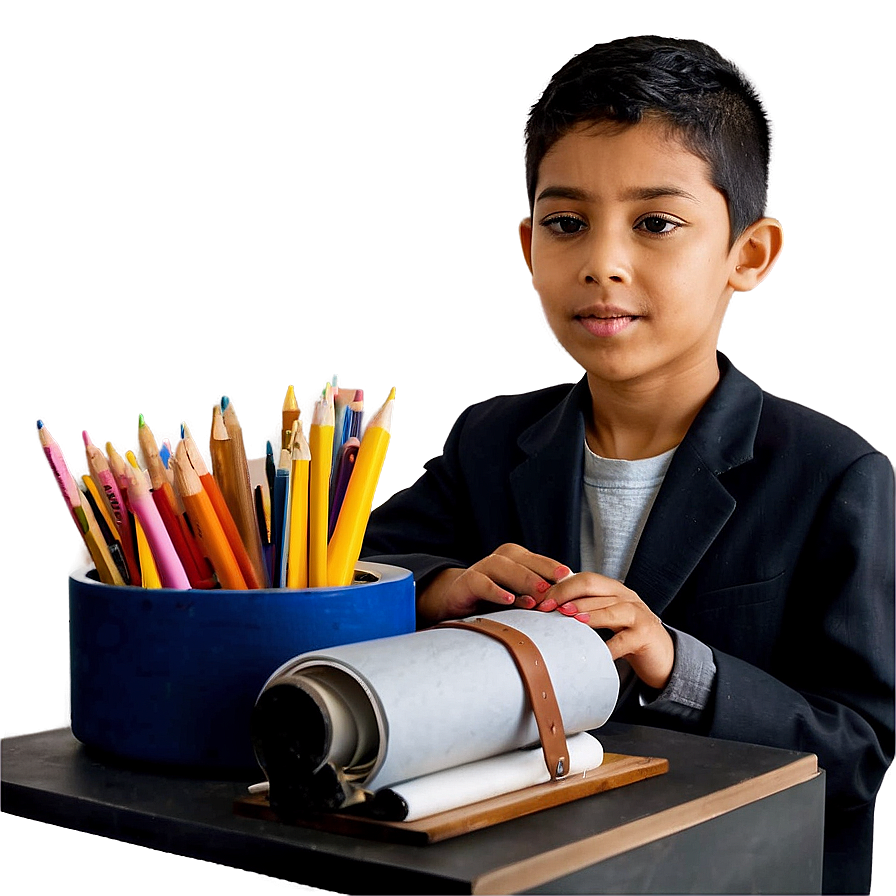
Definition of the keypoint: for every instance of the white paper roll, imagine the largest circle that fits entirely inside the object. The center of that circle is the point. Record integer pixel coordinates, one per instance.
(476, 781)
(442, 698)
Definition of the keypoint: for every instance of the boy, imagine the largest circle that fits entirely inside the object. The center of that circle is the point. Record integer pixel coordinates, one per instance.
(738, 548)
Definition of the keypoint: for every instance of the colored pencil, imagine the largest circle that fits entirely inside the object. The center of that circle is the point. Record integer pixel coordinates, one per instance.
(112, 499)
(194, 561)
(345, 545)
(102, 559)
(225, 517)
(64, 479)
(105, 528)
(299, 481)
(149, 575)
(289, 417)
(236, 486)
(117, 467)
(320, 441)
(345, 464)
(205, 521)
(171, 569)
(354, 416)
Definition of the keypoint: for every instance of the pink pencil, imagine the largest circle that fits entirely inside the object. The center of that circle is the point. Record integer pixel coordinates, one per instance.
(171, 570)
(64, 478)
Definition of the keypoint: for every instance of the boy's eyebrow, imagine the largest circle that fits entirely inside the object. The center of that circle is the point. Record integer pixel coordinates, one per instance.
(635, 194)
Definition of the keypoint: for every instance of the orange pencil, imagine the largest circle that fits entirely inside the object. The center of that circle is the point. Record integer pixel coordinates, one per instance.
(205, 521)
(225, 517)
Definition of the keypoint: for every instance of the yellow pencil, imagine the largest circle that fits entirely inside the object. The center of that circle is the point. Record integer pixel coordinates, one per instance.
(149, 573)
(99, 552)
(321, 443)
(345, 545)
(289, 418)
(297, 557)
(102, 506)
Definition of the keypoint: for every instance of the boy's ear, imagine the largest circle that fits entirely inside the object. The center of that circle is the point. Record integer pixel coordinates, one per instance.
(526, 241)
(755, 252)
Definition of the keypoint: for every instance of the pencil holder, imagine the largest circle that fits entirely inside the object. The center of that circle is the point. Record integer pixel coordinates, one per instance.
(169, 676)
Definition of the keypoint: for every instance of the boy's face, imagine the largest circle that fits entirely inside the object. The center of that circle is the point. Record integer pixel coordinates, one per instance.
(628, 246)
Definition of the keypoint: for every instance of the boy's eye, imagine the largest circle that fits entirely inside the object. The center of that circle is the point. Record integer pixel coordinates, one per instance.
(657, 224)
(564, 224)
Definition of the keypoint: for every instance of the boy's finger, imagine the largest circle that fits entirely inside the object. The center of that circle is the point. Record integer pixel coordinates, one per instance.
(550, 570)
(481, 586)
(513, 575)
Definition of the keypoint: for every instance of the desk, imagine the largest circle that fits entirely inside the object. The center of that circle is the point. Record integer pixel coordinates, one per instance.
(727, 817)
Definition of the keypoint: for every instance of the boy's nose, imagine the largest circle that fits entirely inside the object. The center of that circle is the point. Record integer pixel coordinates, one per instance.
(606, 260)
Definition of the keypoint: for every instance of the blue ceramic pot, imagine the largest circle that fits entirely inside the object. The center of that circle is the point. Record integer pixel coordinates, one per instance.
(170, 676)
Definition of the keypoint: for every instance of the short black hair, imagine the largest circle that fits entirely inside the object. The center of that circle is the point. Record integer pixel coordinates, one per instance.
(710, 106)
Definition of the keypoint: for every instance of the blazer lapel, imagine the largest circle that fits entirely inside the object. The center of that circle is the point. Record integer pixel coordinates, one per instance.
(693, 505)
(547, 486)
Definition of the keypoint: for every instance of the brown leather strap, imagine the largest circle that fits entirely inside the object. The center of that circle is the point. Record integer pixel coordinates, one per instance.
(537, 682)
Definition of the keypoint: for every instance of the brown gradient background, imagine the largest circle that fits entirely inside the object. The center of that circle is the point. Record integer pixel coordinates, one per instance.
(207, 198)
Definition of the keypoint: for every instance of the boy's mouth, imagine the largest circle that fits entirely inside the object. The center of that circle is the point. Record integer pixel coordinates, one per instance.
(606, 321)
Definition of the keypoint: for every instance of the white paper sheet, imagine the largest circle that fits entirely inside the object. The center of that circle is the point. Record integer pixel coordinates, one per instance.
(475, 781)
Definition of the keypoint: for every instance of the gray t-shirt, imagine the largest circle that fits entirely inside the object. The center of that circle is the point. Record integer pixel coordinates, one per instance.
(617, 498)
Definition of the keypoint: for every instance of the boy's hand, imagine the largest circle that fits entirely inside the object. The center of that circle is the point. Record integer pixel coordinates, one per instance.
(511, 576)
(640, 636)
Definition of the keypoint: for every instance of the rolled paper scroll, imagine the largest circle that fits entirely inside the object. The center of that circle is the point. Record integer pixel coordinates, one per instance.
(332, 727)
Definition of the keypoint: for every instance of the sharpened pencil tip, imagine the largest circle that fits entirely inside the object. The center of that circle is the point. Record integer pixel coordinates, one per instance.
(141, 421)
(85, 437)
(40, 424)
(224, 402)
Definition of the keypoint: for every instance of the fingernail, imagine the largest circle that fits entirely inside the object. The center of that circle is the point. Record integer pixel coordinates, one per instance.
(569, 609)
(583, 617)
(526, 602)
(543, 586)
(509, 598)
(548, 605)
(562, 572)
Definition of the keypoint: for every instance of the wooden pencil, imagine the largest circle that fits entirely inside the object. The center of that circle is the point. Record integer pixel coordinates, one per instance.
(320, 440)
(117, 467)
(225, 517)
(243, 504)
(205, 521)
(297, 559)
(289, 417)
(99, 551)
(113, 502)
(149, 575)
(345, 545)
(171, 512)
(171, 569)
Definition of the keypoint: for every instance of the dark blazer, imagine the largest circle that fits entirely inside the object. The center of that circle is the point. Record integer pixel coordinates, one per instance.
(771, 540)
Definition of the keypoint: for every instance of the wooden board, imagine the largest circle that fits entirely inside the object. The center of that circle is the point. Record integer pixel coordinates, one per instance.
(617, 770)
